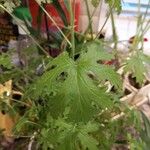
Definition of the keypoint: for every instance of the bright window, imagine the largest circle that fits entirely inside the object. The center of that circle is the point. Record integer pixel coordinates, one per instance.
(130, 7)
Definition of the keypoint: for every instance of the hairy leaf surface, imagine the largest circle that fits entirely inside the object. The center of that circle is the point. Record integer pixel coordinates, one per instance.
(5, 61)
(67, 84)
(136, 65)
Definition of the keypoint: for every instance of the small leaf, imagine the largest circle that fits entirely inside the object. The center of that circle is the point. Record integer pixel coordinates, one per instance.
(95, 3)
(106, 73)
(136, 65)
(90, 127)
(116, 4)
(145, 133)
(88, 142)
(5, 61)
(95, 52)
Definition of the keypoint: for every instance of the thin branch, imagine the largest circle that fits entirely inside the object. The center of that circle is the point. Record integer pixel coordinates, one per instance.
(72, 14)
(145, 100)
(89, 17)
(102, 26)
(32, 141)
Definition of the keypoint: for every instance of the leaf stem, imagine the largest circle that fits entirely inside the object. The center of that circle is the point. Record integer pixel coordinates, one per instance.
(89, 18)
(115, 38)
(102, 26)
(72, 13)
(92, 14)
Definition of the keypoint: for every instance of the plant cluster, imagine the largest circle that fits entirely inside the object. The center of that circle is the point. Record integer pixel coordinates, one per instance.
(65, 102)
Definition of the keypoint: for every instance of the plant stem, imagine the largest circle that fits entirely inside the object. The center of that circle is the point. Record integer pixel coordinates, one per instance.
(89, 18)
(32, 141)
(21, 103)
(102, 26)
(115, 38)
(145, 100)
(71, 10)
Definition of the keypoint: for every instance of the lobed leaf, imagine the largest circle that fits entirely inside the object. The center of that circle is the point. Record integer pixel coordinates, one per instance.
(66, 83)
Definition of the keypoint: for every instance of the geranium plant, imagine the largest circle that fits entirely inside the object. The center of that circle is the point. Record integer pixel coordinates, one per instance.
(65, 102)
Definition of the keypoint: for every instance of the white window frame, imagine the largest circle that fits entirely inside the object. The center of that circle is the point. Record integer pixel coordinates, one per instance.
(129, 7)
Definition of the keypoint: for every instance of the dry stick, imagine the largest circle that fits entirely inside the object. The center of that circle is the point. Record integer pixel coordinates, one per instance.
(130, 88)
(31, 141)
(123, 99)
(145, 100)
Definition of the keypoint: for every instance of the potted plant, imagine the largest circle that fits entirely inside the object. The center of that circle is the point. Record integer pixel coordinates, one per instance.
(66, 103)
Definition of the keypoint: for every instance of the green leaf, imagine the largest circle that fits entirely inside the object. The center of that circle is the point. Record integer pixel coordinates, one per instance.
(95, 3)
(116, 4)
(103, 72)
(136, 65)
(88, 142)
(67, 84)
(22, 121)
(22, 13)
(63, 135)
(106, 73)
(145, 133)
(68, 142)
(145, 58)
(5, 61)
(90, 127)
(86, 138)
(95, 52)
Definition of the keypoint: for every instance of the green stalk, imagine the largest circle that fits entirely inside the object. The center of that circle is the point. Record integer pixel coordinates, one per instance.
(53, 21)
(140, 29)
(115, 38)
(144, 18)
(146, 28)
(71, 10)
(146, 12)
(1, 6)
(111, 7)
(89, 18)
(102, 27)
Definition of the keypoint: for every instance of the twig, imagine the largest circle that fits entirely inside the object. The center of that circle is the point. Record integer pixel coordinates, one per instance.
(131, 88)
(145, 100)
(90, 22)
(31, 141)
(102, 27)
(125, 98)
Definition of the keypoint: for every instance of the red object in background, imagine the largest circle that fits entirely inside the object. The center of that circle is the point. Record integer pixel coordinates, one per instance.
(111, 62)
(34, 8)
(133, 37)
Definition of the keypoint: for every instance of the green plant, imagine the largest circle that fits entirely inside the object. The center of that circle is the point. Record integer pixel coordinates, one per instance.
(66, 103)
